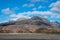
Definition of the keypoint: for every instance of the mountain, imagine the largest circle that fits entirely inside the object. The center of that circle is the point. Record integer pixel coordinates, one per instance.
(8, 23)
(35, 21)
(35, 24)
(39, 21)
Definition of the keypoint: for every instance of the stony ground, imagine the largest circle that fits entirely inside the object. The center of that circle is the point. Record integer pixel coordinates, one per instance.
(29, 39)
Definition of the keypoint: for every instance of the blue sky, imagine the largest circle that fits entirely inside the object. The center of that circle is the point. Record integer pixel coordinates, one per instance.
(15, 9)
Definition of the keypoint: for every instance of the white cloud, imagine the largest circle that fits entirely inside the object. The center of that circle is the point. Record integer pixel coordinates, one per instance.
(41, 12)
(28, 5)
(55, 7)
(45, 16)
(28, 14)
(34, 9)
(9, 10)
(17, 16)
(40, 7)
(39, 0)
(13, 15)
(51, 5)
(25, 5)
(55, 16)
(20, 15)
(34, 0)
(55, 4)
(6, 11)
(15, 8)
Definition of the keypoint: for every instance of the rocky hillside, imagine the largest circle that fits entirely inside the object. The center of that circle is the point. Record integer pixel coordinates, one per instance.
(35, 24)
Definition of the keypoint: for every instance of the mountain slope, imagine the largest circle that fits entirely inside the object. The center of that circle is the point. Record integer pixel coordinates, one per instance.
(35, 24)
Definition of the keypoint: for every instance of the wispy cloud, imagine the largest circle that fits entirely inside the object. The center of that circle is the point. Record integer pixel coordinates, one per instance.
(9, 10)
(28, 5)
(34, 0)
(55, 7)
(18, 16)
(15, 8)
(39, 0)
(29, 13)
(40, 7)
(6, 11)
(34, 9)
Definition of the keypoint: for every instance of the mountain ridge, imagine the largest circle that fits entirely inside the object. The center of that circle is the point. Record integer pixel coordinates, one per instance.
(30, 25)
(36, 19)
